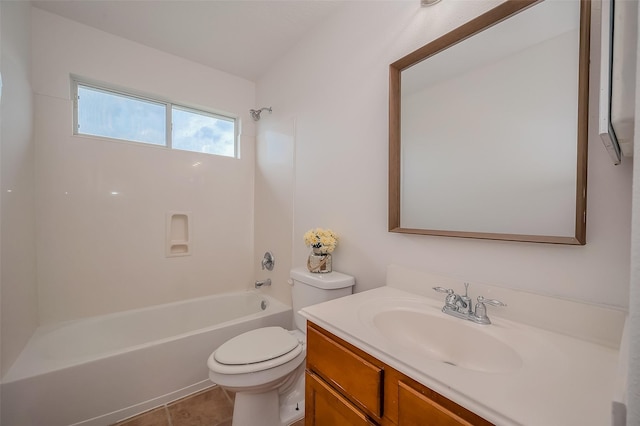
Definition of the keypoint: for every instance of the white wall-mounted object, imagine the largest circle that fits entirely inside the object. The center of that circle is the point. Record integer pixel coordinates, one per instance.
(619, 30)
(178, 234)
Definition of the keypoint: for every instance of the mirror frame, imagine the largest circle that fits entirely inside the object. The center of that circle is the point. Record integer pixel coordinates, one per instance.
(469, 29)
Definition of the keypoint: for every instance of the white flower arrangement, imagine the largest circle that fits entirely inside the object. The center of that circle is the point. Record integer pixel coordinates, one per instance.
(323, 239)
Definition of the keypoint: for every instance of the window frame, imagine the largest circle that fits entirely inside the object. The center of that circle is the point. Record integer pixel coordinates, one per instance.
(168, 105)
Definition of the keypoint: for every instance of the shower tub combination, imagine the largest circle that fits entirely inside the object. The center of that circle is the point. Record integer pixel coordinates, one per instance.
(98, 370)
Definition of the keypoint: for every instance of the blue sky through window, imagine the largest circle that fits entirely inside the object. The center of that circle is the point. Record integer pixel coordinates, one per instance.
(194, 131)
(106, 113)
(111, 115)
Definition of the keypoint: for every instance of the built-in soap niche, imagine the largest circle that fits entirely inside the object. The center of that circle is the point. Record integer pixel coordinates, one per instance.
(178, 234)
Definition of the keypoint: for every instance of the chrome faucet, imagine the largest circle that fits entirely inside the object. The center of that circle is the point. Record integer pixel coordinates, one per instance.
(263, 283)
(460, 306)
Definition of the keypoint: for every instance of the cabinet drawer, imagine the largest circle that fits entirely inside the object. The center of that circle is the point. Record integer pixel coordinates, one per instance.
(326, 407)
(345, 370)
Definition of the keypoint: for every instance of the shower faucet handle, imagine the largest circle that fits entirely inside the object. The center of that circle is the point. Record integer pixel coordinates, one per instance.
(268, 261)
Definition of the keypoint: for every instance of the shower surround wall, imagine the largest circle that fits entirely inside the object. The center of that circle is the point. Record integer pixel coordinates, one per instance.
(18, 251)
(102, 205)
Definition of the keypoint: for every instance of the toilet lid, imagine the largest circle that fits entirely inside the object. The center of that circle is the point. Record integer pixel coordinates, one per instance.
(256, 346)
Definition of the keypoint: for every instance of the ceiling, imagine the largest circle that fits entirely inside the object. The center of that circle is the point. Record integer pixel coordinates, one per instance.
(240, 37)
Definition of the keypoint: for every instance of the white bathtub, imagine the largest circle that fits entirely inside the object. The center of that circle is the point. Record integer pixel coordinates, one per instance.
(99, 370)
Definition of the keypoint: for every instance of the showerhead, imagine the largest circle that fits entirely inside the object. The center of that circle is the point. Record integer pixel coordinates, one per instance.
(255, 113)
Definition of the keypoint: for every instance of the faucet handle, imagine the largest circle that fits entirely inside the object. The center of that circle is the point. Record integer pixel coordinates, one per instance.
(480, 314)
(268, 261)
(492, 302)
(452, 299)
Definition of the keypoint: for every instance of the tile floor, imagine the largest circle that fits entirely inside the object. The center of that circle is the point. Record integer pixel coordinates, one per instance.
(210, 407)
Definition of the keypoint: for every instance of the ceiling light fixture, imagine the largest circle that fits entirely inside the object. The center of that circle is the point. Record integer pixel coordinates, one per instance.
(425, 3)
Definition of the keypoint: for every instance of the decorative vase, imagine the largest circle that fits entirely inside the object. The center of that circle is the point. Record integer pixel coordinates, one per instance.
(318, 262)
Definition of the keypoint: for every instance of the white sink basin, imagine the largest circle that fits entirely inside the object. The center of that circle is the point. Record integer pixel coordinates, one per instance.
(450, 340)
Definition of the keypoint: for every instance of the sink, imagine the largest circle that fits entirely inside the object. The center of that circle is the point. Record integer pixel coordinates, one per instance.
(449, 340)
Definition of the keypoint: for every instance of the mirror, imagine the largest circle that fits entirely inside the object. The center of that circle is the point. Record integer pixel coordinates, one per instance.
(488, 127)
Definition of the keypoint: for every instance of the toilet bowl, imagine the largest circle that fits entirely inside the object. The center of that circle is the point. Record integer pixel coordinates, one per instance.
(265, 366)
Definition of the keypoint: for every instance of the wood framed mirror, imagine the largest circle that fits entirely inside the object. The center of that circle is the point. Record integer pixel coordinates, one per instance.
(488, 127)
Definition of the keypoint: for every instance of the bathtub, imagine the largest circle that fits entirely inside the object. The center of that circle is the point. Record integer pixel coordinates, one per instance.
(96, 371)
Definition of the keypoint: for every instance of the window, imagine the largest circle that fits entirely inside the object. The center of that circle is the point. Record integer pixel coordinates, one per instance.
(109, 113)
(118, 116)
(203, 132)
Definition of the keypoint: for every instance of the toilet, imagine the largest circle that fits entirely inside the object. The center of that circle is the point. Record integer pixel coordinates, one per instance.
(265, 366)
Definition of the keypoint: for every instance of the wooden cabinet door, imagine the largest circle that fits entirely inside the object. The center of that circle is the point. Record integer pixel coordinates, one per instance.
(326, 407)
(416, 409)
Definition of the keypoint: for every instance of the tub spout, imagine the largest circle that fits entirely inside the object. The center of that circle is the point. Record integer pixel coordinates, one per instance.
(266, 282)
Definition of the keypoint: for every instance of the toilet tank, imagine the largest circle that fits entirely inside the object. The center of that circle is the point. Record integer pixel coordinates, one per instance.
(311, 288)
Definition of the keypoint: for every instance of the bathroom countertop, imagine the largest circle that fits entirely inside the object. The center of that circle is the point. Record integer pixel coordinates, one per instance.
(562, 380)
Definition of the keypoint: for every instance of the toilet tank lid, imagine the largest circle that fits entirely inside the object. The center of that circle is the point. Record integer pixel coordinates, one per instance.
(327, 281)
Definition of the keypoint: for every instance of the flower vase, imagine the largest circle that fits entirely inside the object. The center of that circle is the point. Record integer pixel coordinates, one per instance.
(319, 262)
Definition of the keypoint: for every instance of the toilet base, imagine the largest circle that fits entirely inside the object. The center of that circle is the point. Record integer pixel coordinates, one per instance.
(263, 409)
(290, 414)
(270, 408)
(292, 402)
(256, 408)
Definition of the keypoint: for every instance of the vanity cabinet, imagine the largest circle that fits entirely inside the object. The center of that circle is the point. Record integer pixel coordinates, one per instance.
(347, 386)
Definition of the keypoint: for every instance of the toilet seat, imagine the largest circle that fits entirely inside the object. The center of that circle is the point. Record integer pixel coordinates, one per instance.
(256, 350)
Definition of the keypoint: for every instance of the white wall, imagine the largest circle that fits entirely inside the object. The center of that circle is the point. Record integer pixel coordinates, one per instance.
(17, 224)
(334, 86)
(633, 380)
(101, 253)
